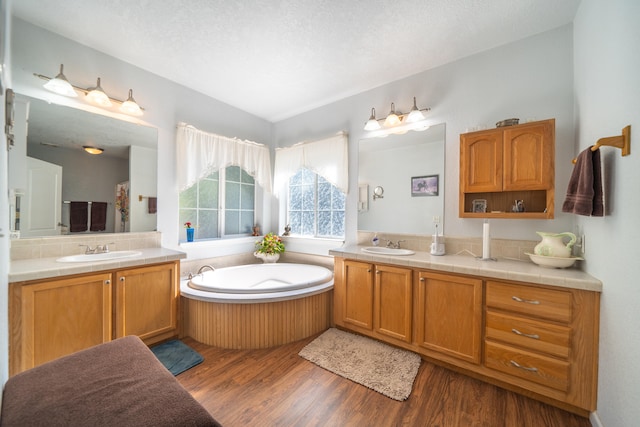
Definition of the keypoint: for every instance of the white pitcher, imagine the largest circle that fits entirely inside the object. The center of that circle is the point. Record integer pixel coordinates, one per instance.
(552, 244)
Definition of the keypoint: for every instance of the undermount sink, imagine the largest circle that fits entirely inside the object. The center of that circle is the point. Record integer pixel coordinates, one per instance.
(99, 257)
(387, 251)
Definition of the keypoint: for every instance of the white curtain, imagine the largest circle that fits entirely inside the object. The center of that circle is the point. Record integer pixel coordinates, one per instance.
(328, 158)
(200, 153)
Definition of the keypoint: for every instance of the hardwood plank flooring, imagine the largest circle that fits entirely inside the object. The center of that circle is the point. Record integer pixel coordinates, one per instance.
(276, 387)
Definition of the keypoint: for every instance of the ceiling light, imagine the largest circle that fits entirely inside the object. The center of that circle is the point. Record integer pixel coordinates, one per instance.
(97, 96)
(130, 106)
(372, 123)
(393, 119)
(92, 150)
(60, 85)
(415, 115)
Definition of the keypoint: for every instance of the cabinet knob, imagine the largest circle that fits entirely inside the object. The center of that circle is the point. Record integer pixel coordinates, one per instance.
(122, 279)
(368, 270)
(422, 279)
(377, 271)
(107, 282)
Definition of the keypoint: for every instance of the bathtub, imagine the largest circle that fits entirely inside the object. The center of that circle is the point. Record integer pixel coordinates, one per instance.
(257, 305)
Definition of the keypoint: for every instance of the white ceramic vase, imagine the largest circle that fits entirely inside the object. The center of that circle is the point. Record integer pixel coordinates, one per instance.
(552, 244)
(267, 258)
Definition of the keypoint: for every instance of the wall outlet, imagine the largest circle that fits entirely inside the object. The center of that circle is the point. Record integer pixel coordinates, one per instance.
(436, 219)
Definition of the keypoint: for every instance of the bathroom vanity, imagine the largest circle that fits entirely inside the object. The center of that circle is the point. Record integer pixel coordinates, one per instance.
(514, 324)
(59, 308)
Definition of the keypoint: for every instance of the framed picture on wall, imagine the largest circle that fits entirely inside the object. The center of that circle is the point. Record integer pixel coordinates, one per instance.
(479, 205)
(424, 185)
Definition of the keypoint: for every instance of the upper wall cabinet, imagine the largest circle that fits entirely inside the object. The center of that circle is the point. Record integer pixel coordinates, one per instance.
(508, 172)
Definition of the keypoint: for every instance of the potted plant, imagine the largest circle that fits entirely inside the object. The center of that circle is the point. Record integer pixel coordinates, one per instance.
(190, 230)
(269, 248)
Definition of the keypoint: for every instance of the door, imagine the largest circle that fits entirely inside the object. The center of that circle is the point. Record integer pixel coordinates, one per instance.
(358, 294)
(42, 204)
(147, 302)
(450, 315)
(60, 317)
(393, 300)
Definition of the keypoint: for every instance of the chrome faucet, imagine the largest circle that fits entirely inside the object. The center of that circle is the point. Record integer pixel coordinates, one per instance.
(99, 249)
(201, 269)
(391, 244)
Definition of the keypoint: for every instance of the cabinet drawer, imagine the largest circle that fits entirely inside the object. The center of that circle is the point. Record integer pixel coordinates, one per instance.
(531, 301)
(528, 333)
(536, 368)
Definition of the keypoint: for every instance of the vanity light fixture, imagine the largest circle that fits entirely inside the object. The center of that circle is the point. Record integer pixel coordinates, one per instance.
(130, 106)
(60, 85)
(397, 122)
(372, 123)
(95, 95)
(93, 150)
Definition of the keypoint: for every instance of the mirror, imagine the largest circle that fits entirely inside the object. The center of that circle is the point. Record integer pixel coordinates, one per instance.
(409, 170)
(53, 137)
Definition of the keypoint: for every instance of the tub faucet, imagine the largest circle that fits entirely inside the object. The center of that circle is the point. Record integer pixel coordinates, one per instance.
(201, 269)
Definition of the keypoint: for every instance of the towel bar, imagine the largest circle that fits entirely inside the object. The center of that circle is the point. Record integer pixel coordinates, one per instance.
(622, 142)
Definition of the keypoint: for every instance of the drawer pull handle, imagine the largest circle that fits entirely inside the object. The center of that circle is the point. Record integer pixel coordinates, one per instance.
(517, 332)
(528, 301)
(526, 368)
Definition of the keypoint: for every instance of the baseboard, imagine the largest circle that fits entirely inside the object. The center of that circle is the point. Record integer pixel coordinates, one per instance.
(595, 420)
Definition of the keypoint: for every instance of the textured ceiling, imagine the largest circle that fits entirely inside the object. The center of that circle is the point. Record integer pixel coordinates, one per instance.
(278, 58)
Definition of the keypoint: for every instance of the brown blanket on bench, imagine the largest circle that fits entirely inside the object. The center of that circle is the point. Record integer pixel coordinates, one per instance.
(120, 383)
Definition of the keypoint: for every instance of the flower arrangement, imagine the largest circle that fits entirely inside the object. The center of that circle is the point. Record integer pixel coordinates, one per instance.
(270, 245)
(187, 225)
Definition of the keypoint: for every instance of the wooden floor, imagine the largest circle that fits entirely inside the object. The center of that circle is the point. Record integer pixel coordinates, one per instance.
(276, 387)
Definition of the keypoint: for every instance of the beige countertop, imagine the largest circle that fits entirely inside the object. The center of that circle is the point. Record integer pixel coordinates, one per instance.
(45, 268)
(505, 269)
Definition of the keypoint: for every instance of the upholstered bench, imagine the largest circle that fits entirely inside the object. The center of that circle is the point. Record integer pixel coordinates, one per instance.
(119, 383)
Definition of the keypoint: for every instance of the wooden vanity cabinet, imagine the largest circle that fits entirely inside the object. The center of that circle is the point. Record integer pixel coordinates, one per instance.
(544, 340)
(53, 318)
(449, 316)
(56, 317)
(147, 302)
(506, 164)
(372, 299)
(541, 341)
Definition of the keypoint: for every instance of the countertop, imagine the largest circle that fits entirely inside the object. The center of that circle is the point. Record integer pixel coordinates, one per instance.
(45, 268)
(505, 269)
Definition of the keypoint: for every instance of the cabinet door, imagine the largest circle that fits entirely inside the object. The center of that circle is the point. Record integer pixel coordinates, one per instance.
(450, 315)
(358, 294)
(481, 161)
(392, 302)
(60, 317)
(147, 302)
(529, 156)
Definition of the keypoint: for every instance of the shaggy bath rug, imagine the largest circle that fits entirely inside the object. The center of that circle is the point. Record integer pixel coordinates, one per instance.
(383, 368)
(176, 356)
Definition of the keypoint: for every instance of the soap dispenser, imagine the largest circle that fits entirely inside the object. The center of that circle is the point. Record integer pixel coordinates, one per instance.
(375, 241)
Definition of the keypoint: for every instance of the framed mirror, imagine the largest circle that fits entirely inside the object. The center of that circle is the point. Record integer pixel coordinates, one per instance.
(49, 165)
(406, 166)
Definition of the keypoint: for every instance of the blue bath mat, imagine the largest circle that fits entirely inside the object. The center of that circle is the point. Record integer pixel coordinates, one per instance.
(176, 356)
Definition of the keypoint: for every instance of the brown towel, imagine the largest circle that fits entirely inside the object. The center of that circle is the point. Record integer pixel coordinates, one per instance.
(78, 216)
(153, 205)
(98, 216)
(584, 193)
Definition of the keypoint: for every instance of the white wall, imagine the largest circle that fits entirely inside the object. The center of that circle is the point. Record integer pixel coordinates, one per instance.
(607, 89)
(532, 78)
(5, 63)
(36, 50)
(142, 164)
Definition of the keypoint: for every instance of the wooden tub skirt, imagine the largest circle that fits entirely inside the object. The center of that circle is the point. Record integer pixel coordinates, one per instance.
(259, 325)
